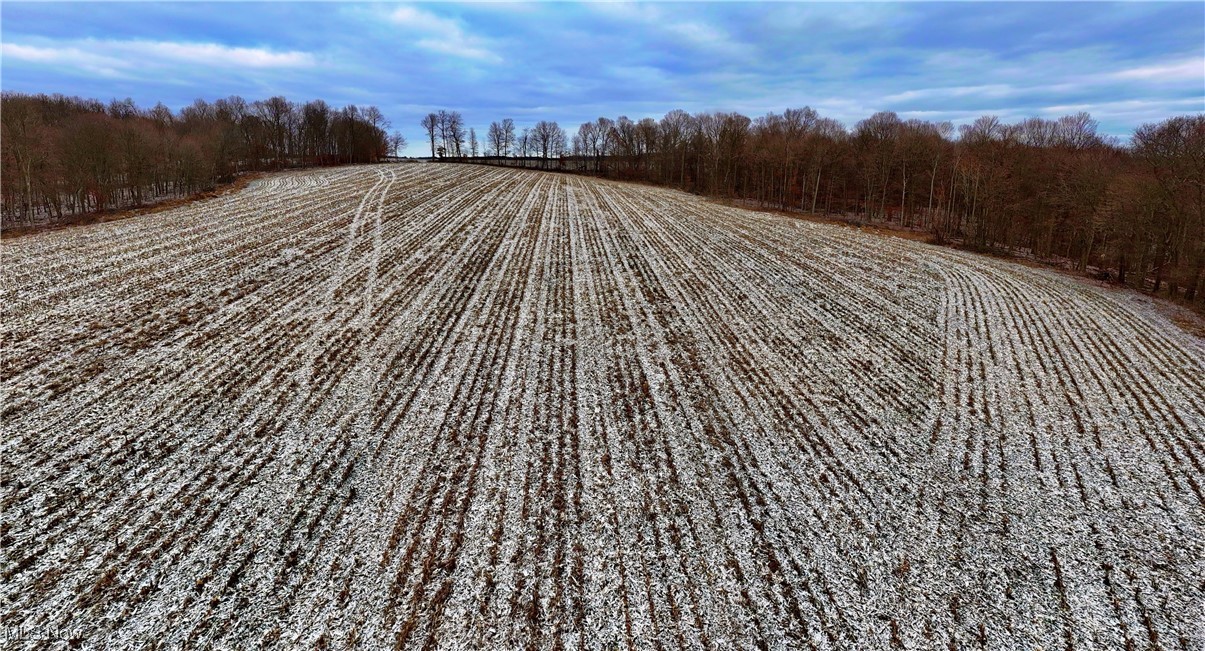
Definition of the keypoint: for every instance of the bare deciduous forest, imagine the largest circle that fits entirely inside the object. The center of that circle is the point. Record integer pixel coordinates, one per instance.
(66, 155)
(1052, 190)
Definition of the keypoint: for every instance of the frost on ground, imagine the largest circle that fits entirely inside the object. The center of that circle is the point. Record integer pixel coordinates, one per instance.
(447, 406)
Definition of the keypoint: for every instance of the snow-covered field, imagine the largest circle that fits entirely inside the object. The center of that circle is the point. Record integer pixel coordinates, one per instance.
(420, 406)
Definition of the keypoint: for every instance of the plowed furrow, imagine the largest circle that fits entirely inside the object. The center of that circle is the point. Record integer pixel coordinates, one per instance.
(444, 406)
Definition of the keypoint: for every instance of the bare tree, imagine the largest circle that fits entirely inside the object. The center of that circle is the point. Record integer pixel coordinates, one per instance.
(584, 139)
(278, 115)
(443, 123)
(452, 134)
(431, 123)
(675, 132)
(496, 138)
(1077, 131)
(397, 143)
(548, 139)
(374, 117)
(315, 130)
(123, 109)
(1173, 151)
(508, 136)
(877, 141)
(456, 133)
(524, 142)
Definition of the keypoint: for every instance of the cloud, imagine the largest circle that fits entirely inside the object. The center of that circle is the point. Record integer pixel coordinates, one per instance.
(36, 54)
(442, 35)
(117, 57)
(214, 54)
(571, 62)
(419, 19)
(69, 57)
(1186, 70)
(703, 34)
(983, 90)
(1147, 109)
(707, 38)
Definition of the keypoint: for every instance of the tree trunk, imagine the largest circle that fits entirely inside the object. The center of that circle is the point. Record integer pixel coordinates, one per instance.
(1083, 264)
(883, 200)
(27, 204)
(816, 190)
(932, 183)
(1190, 291)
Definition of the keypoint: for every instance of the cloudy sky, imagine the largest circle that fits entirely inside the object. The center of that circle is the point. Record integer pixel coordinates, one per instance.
(1124, 63)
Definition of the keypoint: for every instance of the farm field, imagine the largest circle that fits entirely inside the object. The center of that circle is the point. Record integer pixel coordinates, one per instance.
(445, 406)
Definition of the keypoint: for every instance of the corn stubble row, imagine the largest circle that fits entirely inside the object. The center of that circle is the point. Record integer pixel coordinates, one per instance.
(441, 406)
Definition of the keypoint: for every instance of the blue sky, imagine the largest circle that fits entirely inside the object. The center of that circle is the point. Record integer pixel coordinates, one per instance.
(1125, 63)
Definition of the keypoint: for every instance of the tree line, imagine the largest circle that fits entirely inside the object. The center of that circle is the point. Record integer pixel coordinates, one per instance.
(449, 139)
(1052, 189)
(68, 155)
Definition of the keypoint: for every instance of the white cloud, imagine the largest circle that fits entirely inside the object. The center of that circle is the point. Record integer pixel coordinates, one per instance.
(70, 57)
(219, 55)
(1186, 70)
(706, 37)
(1125, 107)
(1084, 73)
(695, 32)
(113, 57)
(442, 35)
(34, 54)
(984, 90)
(457, 48)
(424, 20)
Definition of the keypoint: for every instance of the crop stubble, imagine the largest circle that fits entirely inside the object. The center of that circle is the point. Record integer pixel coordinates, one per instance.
(429, 406)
